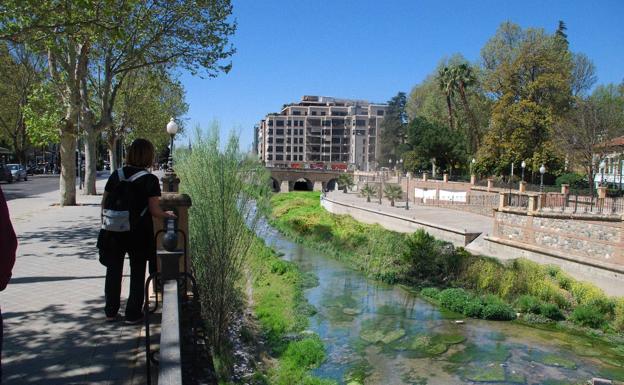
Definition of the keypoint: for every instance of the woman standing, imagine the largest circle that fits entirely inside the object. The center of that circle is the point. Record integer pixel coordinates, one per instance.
(140, 191)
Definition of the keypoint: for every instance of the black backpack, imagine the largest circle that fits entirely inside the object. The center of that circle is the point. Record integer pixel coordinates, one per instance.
(117, 215)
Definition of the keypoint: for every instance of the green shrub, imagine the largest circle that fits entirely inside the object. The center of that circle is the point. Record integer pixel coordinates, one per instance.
(430, 292)
(429, 259)
(454, 299)
(618, 321)
(528, 304)
(473, 308)
(495, 309)
(280, 266)
(551, 311)
(588, 315)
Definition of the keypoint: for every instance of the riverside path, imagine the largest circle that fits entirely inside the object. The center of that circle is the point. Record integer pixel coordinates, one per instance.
(54, 326)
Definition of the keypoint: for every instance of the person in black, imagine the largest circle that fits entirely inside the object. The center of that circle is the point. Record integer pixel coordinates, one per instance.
(139, 242)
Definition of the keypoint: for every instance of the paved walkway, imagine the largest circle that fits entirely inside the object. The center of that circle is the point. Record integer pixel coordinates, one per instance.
(54, 327)
(455, 219)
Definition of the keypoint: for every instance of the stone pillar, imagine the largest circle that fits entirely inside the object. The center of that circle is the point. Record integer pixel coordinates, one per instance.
(284, 186)
(522, 187)
(318, 186)
(445, 177)
(424, 176)
(473, 179)
(532, 206)
(490, 184)
(503, 198)
(541, 201)
(602, 192)
(565, 189)
(170, 182)
(179, 204)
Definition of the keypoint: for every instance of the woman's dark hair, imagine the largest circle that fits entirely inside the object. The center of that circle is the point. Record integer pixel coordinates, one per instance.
(140, 153)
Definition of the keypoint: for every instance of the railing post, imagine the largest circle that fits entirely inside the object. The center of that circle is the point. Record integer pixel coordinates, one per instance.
(490, 184)
(503, 199)
(424, 176)
(522, 186)
(445, 177)
(473, 179)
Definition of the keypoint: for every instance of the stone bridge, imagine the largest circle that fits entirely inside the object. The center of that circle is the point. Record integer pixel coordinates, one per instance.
(289, 179)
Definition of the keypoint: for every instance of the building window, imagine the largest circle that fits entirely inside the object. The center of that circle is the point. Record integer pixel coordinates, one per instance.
(313, 113)
(296, 112)
(380, 112)
(270, 123)
(270, 131)
(323, 113)
(279, 131)
(360, 122)
(279, 123)
(300, 148)
(270, 157)
(288, 123)
(279, 140)
(270, 149)
(287, 157)
(296, 123)
(279, 157)
(279, 148)
(288, 132)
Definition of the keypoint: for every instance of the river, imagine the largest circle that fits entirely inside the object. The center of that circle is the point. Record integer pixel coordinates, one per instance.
(388, 335)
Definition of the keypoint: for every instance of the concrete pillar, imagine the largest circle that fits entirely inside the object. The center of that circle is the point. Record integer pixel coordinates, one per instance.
(170, 182)
(503, 198)
(522, 187)
(445, 177)
(473, 179)
(541, 200)
(178, 203)
(318, 186)
(565, 189)
(424, 176)
(602, 192)
(490, 184)
(532, 206)
(284, 186)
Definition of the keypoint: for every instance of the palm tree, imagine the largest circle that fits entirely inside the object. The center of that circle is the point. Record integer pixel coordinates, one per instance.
(368, 192)
(446, 82)
(393, 192)
(464, 77)
(345, 181)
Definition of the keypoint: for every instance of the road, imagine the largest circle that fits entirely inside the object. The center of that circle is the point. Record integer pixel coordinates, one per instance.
(35, 185)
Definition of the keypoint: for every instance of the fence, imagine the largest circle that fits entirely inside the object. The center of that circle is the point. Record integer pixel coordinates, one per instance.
(582, 204)
(480, 204)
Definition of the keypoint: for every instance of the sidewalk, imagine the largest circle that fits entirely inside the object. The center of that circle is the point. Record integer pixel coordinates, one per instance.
(54, 326)
(455, 219)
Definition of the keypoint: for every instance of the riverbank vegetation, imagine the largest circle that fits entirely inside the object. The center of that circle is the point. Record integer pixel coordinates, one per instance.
(283, 312)
(475, 286)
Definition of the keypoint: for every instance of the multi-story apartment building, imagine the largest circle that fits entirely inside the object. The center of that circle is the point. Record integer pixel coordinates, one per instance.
(322, 132)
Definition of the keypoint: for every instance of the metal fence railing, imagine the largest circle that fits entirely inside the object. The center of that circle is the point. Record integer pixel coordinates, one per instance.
(582, 204)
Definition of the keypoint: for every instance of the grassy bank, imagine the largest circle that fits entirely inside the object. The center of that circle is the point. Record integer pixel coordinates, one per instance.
(282, 311)
(480, 287)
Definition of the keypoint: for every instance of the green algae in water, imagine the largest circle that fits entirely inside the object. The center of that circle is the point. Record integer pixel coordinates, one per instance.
(372, 336)
(489, 373)
(390, 310)
(516, 378)
(613, 361)
(550, 359)
(393, 336)
(496, 336)
(612, 373)
(351, 311)
(481, 353)
(358, 372)
(449, 339)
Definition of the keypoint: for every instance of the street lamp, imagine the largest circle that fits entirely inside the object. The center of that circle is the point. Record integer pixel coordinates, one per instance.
(172, 129)
(407, 192)
(542, 170)
(523, 165)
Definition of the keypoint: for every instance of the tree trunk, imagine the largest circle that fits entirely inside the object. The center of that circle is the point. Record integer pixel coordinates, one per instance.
(392, 202)
(112, 151)
(90, 161)
(67, 182)
(474, 137)
(450, 111)
(368, 198)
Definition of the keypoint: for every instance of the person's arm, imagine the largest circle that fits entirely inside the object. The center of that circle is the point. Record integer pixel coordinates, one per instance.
(156, 211)
(104, 196)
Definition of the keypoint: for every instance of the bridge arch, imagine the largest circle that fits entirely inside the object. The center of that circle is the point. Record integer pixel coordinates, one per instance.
(331, 184)
(274, 184)
(303, 184)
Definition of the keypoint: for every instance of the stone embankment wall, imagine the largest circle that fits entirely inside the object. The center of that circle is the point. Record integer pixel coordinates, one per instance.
(589, 247)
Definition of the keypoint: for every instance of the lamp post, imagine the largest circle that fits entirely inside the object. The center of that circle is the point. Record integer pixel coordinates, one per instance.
(472, 163)
(172, 129)
(407, 187)
(542, 170)
(523, 165)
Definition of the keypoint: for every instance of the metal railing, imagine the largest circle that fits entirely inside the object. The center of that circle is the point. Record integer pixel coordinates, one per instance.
(582, 204)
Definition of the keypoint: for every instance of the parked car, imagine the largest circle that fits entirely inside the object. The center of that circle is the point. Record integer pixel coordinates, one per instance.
(5, 174)
(18, 171)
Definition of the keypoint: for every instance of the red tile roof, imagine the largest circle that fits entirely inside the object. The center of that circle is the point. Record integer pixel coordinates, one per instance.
(615, 142)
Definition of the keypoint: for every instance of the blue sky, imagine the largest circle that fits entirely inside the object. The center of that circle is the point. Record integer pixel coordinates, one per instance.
(373, 49)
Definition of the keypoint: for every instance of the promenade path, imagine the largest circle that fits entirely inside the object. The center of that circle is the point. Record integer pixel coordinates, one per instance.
(455, 219)
(54, 326)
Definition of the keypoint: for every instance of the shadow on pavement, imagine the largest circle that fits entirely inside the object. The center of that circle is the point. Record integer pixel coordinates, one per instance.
(78, 237)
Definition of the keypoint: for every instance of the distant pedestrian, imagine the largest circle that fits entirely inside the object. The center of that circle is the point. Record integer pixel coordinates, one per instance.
(138, 190)
(8, 246)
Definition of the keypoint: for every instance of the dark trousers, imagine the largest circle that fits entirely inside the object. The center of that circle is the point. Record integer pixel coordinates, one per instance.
(112, 286)
(1, 340)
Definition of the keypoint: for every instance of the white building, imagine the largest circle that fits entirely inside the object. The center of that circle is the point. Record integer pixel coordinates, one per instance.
(611, 164)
